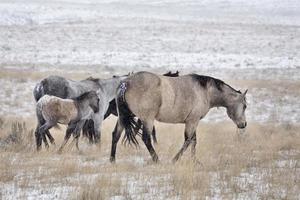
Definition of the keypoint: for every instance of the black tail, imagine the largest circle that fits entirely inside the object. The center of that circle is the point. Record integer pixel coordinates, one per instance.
(126, 117)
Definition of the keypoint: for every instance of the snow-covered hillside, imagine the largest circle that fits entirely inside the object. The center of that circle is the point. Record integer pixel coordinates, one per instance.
(174, 34)
(229, 39)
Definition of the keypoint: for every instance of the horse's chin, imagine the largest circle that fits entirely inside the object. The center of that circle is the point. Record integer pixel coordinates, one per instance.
(241, 131)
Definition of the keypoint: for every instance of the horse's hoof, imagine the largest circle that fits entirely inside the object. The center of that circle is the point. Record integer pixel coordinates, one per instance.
(59, 151)
(112, 160)
(197, 162)
(155, 160)
(80, 152)
(174, 160)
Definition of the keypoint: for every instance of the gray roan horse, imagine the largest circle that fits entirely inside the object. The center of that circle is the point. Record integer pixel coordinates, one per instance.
(51, 110)
(67, 89)
(184, 99)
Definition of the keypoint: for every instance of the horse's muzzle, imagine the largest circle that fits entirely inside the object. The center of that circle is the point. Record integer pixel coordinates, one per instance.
(95, 109)
(242, 125)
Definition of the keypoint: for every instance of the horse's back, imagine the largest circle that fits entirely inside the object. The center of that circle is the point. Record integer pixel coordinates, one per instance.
(167, 99)
(57, 109)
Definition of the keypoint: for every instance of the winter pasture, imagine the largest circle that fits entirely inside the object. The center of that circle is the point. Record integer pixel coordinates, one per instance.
(248, 44)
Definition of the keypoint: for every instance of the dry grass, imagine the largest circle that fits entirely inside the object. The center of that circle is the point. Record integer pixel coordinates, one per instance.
(261, 164)
(23, 75)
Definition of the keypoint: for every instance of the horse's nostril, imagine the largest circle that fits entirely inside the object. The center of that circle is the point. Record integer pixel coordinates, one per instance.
(242, 125)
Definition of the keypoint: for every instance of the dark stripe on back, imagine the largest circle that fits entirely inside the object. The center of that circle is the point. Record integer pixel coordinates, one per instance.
(204, 80)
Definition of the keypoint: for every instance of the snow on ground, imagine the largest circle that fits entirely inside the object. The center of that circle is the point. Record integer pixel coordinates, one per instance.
(257, 40)
(130, 34)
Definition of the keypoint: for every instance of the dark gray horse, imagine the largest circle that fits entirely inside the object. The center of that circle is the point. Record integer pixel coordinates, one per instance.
(51, 110)
(185, 99)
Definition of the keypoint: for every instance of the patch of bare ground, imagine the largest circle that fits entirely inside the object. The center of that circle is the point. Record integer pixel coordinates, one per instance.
(262, 163)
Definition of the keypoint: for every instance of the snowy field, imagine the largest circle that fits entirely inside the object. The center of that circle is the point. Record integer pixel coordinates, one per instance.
(231, 40)
(252, 44)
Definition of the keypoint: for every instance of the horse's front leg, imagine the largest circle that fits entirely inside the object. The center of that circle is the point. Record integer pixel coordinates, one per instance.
(97, 118)
(69, 131)
(190, 130)
(193, 148)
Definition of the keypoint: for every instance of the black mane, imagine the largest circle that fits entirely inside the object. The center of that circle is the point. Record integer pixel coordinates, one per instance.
(204, 80)
(170, 74)
(92, 79)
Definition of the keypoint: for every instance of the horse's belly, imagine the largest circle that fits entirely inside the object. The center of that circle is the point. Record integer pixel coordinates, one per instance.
(64, 120)
(171, 116)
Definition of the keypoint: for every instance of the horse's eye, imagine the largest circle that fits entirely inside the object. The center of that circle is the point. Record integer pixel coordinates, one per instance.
(245, 106)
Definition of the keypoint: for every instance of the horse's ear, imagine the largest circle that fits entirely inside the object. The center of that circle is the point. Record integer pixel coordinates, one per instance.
(245, 92)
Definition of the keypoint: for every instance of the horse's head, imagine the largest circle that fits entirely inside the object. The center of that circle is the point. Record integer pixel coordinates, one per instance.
(94, 101)
(236, 110)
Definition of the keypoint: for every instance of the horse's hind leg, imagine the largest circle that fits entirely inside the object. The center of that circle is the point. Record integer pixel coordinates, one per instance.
(43, 129)
(190, 129)
(38, 138)
(139, 125)
(38, 132)
(45, 140)
(48, 134)
(154, 135)
(147, 130)
(116, 134)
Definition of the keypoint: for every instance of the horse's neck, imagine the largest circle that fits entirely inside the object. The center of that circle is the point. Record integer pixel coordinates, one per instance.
(77, 88)
(109, 87)
(219, 98)
(83, 109)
